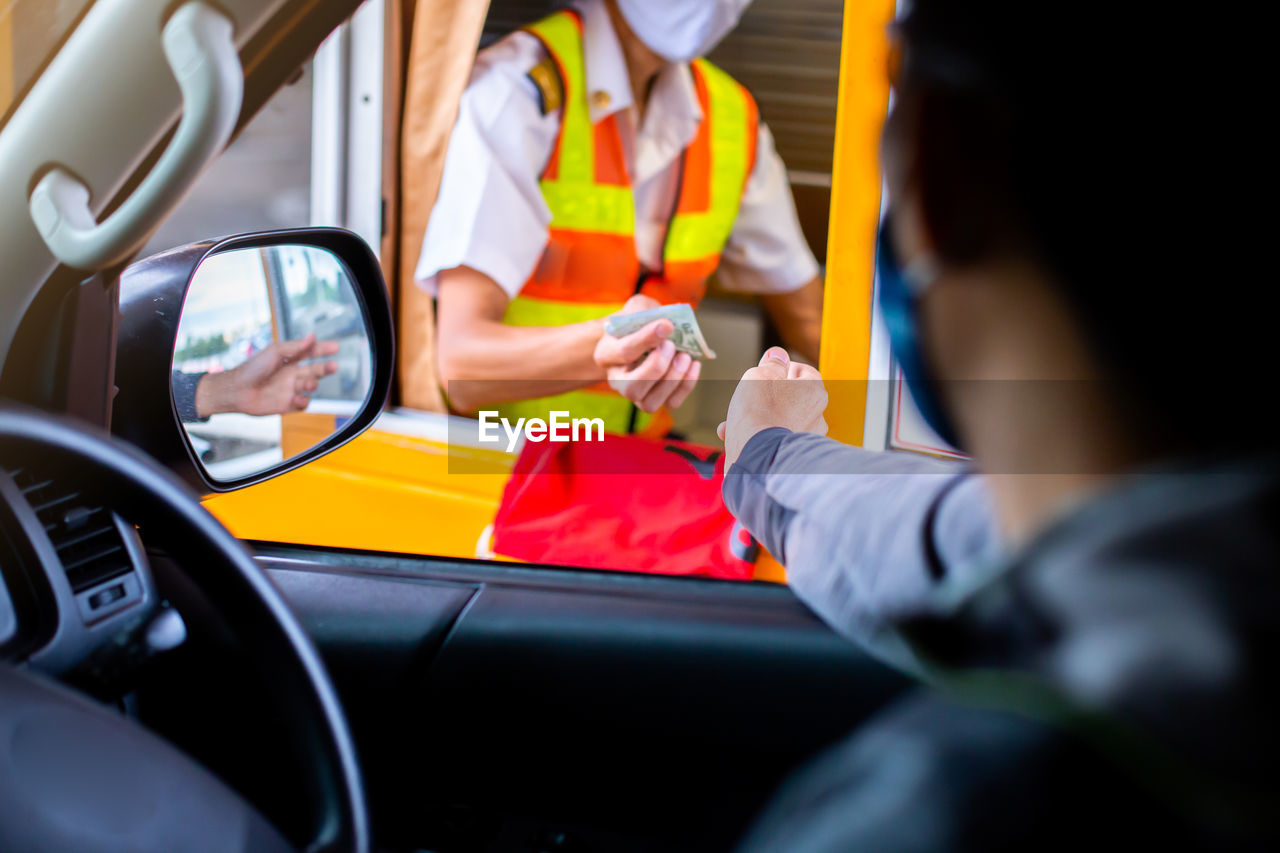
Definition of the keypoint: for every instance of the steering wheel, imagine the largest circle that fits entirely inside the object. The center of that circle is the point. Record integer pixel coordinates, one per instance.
(75, 775)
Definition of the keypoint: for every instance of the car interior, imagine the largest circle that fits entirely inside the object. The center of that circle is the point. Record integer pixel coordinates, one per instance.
(167, 685)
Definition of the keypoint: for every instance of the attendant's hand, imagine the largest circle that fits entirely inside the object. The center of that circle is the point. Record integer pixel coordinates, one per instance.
(271, 382)
(644, 366)
(778, 392)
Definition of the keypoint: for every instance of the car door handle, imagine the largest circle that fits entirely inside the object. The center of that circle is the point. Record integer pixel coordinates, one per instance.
(200, 47)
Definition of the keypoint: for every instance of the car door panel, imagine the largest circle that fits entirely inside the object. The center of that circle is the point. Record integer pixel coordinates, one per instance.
(661, 710)
(380, 627)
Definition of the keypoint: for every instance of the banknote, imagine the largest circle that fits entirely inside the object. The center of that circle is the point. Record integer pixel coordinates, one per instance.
(687, 336)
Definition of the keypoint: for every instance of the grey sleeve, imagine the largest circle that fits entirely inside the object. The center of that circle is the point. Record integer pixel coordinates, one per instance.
(184, 395)
(868, 538)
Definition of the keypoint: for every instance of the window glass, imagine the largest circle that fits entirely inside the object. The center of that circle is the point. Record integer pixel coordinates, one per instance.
(787, 54)
(31, 31)
(261, 183)
(659, 509)
(427, 481)
(318, 299)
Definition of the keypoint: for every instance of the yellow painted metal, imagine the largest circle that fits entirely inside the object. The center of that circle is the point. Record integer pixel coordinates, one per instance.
(301, 431)
(769, 569)
(383, 491)
(855, 213)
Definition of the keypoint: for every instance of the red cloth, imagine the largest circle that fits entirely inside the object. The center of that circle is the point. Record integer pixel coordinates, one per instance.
(625, 503)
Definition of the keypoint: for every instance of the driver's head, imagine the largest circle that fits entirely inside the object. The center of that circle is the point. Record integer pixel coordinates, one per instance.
(681, 30)
(1052, 170)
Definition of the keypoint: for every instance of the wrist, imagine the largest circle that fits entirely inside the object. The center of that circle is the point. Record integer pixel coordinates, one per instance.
(758, 447)
(212, 395)
(593, 332)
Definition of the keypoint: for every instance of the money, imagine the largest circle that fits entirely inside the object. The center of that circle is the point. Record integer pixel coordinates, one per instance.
(686, 336)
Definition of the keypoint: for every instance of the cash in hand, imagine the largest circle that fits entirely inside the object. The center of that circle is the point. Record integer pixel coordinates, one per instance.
(686, 335)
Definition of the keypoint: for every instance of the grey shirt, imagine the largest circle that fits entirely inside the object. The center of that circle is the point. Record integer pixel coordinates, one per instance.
(868, 538)
(184, 395)
(1112, 678)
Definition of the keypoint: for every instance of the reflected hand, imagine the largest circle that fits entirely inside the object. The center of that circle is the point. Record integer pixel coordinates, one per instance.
(769, 395)
(272, 382)
(644, 366)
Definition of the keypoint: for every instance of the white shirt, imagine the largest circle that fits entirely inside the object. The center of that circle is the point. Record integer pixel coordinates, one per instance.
(490, 214)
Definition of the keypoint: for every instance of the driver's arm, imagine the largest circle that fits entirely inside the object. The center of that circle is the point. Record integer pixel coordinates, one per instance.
(274, 381)
(878, 537)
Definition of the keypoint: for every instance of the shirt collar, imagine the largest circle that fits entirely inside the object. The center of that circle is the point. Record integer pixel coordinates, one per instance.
(674, 111)
(608, 86)
(674, 96)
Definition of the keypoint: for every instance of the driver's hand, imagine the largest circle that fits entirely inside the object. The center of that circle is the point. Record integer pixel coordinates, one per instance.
(275, 381)
(776, 392)
(644, 366)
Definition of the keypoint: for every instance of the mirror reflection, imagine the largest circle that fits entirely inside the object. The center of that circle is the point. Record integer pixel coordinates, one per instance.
(272, 357)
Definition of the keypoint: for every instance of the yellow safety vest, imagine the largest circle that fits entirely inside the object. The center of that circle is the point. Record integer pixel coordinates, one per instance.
(590, 267)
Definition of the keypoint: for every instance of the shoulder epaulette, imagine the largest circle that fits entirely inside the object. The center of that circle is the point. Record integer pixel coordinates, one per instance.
(546, 78)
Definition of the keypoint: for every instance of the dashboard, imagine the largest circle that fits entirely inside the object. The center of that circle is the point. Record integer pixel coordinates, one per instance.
(84, 618)
(74, 576)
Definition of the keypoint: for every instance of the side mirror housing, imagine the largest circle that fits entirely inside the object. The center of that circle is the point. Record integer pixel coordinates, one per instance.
(242, 358)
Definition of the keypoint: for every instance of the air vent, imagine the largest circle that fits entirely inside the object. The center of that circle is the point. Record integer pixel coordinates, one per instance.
(84, 534)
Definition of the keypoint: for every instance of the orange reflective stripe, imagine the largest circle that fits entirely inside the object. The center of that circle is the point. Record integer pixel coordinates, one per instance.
(717, 166)
(695, 189)
(611, 167)
(702, 223)
(585, 267)
(682, 281)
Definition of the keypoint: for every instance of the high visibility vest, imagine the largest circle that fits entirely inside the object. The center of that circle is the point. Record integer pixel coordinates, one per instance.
(589, 268)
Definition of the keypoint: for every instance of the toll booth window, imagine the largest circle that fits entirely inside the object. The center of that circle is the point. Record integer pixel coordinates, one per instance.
(485, 477)
(787, 55)
(633, 501)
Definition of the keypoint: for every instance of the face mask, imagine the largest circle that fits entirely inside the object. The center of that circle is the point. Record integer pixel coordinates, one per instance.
(899, 291)
(681, 30)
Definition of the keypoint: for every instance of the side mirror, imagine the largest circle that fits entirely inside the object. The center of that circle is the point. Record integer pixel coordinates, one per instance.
(242, 358)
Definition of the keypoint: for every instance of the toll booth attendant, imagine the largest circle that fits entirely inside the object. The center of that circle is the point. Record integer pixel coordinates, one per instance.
(598, 165)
